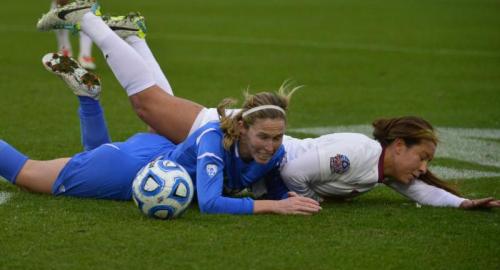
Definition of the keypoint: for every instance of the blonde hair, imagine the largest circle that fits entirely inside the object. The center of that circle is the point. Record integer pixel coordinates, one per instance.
(229, 123)
(412, 130)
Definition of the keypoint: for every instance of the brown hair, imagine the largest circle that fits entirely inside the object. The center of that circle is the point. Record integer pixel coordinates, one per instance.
(229, 123)
(412, 130)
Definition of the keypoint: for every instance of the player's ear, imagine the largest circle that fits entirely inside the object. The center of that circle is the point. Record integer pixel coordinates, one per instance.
(241, 127)
(399, 145)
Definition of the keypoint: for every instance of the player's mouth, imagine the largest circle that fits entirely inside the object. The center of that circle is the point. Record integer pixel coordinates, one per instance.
(262, 158)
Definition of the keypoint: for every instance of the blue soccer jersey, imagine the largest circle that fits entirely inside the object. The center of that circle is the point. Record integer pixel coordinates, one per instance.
(108, 171)
(214, 169)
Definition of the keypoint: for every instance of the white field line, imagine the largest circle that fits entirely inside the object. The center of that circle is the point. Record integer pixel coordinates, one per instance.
(452, 173)
(468, 145)
(311, 44)
(4, 197)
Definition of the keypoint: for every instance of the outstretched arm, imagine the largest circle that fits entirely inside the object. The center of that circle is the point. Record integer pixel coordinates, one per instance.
(426, 194)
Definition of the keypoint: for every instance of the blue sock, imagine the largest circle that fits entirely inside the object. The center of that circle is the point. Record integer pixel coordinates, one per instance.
(92, 124)
(11, 161)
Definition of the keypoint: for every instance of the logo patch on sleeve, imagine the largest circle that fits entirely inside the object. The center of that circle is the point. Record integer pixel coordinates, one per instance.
(211, 169)
(339, 164)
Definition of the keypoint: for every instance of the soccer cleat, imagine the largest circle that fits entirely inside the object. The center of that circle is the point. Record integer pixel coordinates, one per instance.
(81, 81)
(125, 26)
(67, 16)
(87, 62)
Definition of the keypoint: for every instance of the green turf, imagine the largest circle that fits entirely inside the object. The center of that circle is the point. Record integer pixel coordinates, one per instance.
(358, 59)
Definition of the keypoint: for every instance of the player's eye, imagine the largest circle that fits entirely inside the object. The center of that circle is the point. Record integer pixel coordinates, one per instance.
(263, 136)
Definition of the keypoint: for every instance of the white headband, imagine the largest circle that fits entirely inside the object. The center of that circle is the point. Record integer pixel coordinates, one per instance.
(262, 107)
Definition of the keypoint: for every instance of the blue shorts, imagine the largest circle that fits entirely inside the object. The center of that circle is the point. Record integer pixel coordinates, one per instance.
(107, 171)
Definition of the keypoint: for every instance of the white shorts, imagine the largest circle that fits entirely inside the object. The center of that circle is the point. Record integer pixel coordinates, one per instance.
(208, 115)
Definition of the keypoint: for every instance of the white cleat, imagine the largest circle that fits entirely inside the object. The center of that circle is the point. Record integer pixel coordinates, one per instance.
(125, 26)
(67, 16)
(81, 81)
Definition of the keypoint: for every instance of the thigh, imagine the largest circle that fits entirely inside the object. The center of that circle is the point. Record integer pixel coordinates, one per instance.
(39, 176)
(106, 172)
(168, 115)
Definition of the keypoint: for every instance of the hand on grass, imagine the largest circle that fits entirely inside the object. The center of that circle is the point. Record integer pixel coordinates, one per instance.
(480, 203)
(297, 205)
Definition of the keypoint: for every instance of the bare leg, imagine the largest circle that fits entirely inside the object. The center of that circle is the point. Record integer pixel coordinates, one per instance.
(168, 115)
(39, 176)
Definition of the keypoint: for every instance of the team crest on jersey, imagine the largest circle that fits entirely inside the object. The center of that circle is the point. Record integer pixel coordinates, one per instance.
(211, 169)
(339, 164)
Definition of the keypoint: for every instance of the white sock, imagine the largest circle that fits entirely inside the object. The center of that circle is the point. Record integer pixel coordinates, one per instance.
(85, 45)
(142, 48)
(127, 65)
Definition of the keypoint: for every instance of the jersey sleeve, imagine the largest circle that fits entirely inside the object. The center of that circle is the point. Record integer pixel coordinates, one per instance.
(426, 194)
(210, 179)
(302, 173)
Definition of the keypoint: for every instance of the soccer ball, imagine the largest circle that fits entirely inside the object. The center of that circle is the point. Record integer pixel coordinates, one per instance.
(162, 189)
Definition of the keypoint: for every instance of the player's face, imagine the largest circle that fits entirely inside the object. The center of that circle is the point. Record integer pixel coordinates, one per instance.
(261, 140)
(411, 162)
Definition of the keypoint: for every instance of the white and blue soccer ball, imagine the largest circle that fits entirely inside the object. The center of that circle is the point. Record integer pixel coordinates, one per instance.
(162, 189)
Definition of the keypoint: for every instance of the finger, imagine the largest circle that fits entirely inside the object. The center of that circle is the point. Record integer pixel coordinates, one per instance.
(307, 200)
(495, 203)
(308, 204)
(308, 207)
(292, 194)
(481, 202)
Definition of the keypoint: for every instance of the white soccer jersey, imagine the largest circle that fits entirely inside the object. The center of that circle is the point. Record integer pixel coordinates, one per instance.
(346, 165)
(341, 165)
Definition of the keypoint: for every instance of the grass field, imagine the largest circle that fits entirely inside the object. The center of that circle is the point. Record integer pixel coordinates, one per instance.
(359, 60)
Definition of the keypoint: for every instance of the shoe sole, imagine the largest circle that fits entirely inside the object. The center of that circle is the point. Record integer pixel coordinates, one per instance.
(67, 68)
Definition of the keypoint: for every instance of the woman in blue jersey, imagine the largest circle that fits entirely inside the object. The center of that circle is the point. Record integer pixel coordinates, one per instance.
(243, 150)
